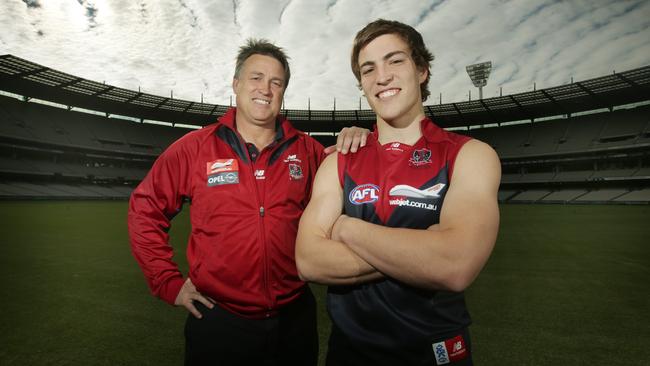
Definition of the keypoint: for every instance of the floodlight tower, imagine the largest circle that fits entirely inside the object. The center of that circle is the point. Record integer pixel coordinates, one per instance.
(479, 73)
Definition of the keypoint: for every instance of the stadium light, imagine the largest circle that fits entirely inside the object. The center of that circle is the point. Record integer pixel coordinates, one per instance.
(479, 73)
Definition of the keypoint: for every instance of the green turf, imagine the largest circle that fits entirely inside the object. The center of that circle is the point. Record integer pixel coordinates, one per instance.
(566, 285)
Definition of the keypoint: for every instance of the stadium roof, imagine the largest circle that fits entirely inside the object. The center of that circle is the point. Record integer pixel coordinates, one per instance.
(32, 80)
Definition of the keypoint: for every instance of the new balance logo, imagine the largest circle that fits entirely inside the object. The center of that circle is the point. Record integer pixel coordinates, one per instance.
(450, 351)
(292, 158)
(457, 346)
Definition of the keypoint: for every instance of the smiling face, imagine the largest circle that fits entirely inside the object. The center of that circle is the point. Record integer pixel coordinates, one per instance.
(391, 81)
(259, 89)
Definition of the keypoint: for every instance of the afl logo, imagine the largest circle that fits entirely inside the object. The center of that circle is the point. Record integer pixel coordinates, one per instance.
(365, 193)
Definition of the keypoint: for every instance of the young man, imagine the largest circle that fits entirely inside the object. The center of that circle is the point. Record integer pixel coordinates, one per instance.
(248, 178)
(401, 228)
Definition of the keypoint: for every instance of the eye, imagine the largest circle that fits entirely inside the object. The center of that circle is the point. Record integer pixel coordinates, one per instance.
(396, 61)
(367, 70)
(277, 83)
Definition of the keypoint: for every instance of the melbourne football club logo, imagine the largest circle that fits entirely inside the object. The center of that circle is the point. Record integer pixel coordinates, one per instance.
(420, 157)
(295, 171)
(365, 193)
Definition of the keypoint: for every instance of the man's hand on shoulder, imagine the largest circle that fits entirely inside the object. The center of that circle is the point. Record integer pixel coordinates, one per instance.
(188, 294)
(349, 139)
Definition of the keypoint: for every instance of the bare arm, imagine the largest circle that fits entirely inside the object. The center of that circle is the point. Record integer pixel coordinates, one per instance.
(318, 257)
(451, 254)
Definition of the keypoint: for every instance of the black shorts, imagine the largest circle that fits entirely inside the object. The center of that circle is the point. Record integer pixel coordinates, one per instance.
(223, 338)
(454, 350)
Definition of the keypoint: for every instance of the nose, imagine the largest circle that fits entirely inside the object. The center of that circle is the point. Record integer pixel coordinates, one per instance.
(265, 88)
(384, 75)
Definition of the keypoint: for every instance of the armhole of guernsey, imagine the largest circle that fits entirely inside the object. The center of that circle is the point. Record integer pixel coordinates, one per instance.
(452, 159)
(340, 160)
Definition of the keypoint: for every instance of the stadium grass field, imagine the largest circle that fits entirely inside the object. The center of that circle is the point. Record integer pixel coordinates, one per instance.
(566, 285)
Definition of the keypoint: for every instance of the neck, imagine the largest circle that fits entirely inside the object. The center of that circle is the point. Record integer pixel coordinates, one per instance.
(406, 131)
(259, 135)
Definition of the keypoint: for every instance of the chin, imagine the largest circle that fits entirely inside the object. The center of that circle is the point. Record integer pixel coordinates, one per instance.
(388, 114)
(264, 116)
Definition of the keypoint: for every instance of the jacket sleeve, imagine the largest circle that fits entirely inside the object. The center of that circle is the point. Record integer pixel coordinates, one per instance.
(154, 202)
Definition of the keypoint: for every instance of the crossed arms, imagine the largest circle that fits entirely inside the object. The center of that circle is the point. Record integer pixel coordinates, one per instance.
(335, 249)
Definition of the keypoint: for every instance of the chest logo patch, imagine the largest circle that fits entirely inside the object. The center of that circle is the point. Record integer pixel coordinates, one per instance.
(223, 178)
(420, 157)
(222, 171)
(450, 350)
(222, 165)
(295, 171)
(413, 197)
(408, 191)
(292, 158)
(395, 146)
(364, 193)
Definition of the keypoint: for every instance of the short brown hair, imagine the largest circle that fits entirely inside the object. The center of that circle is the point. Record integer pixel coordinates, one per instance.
(262, 47)
(419, 52)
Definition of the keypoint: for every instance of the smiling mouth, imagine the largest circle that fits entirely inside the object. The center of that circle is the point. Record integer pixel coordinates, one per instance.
(261, 101)
(387, 93)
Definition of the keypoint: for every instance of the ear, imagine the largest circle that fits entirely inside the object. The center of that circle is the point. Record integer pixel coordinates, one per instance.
(235, 83)
(423, 74)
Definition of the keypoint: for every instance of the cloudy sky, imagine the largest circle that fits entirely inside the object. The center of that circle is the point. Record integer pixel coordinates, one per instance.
(189, 46)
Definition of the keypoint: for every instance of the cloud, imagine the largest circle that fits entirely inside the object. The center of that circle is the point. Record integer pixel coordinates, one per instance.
(189, 46)
(32, 3)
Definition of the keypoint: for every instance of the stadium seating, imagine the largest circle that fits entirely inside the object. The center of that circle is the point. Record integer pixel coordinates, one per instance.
(564, 196)
(530, 196)
(33, 122)
(599, 131)
(602, 195)
(50, 152)
(573, 176)
(642, 195)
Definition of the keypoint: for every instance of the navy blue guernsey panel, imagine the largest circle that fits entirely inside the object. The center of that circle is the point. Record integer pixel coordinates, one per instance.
(398, 185)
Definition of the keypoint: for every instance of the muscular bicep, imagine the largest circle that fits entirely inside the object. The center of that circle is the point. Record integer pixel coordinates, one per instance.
(470, 213)
(326, 203)
(475, 180)
(319, 258)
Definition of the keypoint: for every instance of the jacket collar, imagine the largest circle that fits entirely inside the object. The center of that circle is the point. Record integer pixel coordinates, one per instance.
(283, 128)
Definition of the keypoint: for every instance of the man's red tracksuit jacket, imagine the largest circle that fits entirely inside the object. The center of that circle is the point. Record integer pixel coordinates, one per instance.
(244, 216)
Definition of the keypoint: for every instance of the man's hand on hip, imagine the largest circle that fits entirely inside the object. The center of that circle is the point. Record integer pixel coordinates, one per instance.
(188, 294)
